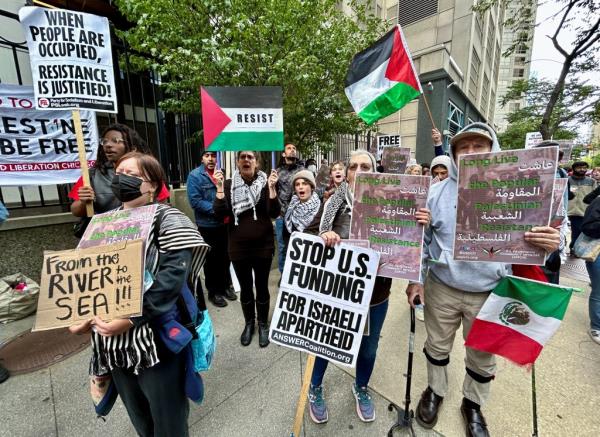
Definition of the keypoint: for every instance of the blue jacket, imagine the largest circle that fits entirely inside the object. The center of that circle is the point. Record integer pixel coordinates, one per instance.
(201, 193)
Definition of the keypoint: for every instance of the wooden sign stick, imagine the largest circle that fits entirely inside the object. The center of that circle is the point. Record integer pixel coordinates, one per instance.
(83, 164)
(310, 363)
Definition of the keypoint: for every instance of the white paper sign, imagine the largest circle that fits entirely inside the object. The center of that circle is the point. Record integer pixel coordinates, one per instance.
(71, 59)
(324, 298)
(532, 139)
(39, 147)
(384, 141)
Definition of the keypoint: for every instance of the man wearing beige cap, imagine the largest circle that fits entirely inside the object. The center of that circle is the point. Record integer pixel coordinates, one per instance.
(454, 291)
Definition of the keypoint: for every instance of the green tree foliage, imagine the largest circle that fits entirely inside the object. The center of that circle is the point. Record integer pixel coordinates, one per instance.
(535, 92)
(582, 18)
(305, 46)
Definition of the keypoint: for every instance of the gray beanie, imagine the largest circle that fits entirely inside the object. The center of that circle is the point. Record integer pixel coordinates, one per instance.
(306, 175)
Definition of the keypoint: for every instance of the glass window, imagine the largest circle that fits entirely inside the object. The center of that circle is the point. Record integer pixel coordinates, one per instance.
(485, 88)
(474, 76)
(518, 72)
(456, 121)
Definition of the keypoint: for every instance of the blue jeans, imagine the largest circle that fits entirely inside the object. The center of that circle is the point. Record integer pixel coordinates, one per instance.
(367, 352)
(593, 269)
(281, 246)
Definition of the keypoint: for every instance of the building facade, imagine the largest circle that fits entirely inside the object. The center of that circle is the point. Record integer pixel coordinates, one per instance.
(457, 55)
(516, 66)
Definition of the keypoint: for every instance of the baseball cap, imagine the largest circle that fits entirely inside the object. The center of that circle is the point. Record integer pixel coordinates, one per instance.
(471, 132)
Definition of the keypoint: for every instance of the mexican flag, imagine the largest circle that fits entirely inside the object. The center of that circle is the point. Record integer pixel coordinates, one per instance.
(518, 318)
(242, 118)
(382, 78)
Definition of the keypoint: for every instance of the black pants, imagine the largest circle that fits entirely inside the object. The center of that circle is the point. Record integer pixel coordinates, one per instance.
(576, 222)
(216, 268)
(155, 398)
(243, 271)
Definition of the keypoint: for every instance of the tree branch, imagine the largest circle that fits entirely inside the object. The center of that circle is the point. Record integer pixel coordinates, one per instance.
(554, 37)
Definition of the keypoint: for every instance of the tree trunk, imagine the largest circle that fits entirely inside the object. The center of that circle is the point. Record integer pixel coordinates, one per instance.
(546, 127)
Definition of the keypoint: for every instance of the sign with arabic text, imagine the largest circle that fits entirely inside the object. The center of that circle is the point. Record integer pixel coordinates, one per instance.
(383, 213)
(395, 159)
(502, 195)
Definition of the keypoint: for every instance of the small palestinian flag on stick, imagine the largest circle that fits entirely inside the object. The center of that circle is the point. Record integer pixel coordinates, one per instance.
(242, 118)
(518, 319)
(382, 78)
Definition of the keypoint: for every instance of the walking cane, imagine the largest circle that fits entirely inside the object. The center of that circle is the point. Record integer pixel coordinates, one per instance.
(405, 416)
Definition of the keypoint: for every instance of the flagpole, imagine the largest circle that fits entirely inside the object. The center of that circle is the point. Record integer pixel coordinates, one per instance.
(534, 402)
(428, 110)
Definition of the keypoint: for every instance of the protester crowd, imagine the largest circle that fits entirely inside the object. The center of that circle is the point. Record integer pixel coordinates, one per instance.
(244, 220)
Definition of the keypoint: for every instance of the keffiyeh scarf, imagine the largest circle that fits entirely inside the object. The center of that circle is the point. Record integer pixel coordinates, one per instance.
(342, 198)
(300, 214)
(244, 196)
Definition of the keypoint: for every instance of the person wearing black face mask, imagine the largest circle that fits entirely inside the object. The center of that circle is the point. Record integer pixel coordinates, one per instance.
(127, 188)
(580, 186)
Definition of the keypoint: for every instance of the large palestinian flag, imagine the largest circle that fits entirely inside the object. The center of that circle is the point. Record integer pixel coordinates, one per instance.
(242, 118)
(382, 78)
(518, 318)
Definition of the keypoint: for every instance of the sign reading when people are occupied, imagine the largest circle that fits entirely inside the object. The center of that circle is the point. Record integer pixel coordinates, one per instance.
(76, 285)
(324, 298)
(502, 195)
(39, 147)
(71, 59)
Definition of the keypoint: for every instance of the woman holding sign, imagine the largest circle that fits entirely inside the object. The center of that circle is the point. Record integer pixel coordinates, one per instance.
(249, 199)
(335, 226)
(147, 356)
(117, 140)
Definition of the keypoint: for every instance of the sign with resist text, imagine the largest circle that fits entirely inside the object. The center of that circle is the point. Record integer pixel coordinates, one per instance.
(71, 59)
(324, 298)
(104, 281)
(39, 147)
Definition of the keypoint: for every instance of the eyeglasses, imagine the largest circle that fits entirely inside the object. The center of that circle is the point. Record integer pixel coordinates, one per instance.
(363, 167)
(245, 156)
(107, 141)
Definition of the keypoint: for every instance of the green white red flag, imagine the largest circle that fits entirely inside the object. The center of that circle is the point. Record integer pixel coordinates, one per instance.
(382, 78)
(518, 319)
(242, 118)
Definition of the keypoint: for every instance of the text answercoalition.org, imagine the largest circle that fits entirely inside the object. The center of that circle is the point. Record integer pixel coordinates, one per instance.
(306, 344)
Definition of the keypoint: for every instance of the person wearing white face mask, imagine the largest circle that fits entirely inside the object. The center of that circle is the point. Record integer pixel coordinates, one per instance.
(335, 226)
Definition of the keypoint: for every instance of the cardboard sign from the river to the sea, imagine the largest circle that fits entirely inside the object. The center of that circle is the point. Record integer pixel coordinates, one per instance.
(324, 298)
(501, 196)
(76, 285)
(383, 212)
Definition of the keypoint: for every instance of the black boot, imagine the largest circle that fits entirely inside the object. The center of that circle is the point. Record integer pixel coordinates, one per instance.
(262, 310)
(249, 316)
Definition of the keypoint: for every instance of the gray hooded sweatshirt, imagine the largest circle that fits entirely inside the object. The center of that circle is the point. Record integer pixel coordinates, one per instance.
(439, 238)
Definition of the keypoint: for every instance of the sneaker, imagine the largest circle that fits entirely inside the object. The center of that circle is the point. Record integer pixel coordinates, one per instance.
(420, 313)
(364, 405)
(318, 408)
(595, 334)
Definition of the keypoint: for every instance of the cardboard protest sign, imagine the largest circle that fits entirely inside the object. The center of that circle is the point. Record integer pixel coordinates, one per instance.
(324, 298)
(501, 196)
(383, 213)
(120, 225)
(395, 159)
(242, 118)
(39, 147)
(104, 281)
(71, 59)
(566, 146)
(559, 210)
(384, 141)
(532, 139)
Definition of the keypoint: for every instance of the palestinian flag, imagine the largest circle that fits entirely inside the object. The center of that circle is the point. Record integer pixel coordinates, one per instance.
(242, 118)
(382, 78)
(518, 318)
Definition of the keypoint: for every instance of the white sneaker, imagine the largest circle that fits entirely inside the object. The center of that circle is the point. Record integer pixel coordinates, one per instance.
(420, 313)
(595, 334)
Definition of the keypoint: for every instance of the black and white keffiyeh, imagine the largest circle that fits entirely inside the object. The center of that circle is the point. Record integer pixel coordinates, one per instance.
(244, 196)
(342, 198)
(171, 230)
(300, 214)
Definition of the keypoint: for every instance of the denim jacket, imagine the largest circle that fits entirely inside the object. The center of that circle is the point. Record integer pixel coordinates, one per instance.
(201, 193)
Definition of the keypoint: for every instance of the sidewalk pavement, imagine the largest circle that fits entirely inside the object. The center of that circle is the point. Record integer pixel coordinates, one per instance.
(253, 392)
